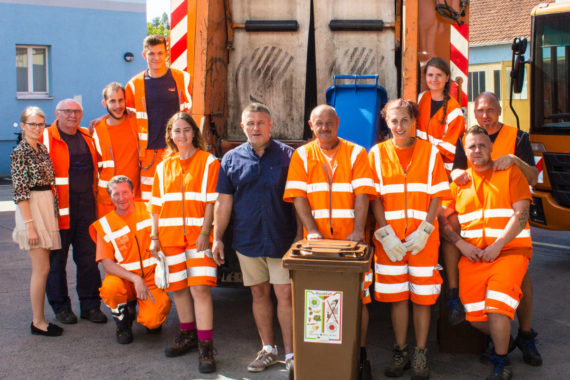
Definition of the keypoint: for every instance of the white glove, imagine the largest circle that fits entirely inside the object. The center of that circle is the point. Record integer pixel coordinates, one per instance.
(161, 272)
(393, 246)
(416, 241)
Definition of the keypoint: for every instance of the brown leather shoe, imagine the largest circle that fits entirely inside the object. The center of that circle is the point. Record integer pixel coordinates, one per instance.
(183, 343)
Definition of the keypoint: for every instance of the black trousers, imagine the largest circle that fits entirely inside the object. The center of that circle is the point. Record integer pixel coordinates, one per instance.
(82, 214)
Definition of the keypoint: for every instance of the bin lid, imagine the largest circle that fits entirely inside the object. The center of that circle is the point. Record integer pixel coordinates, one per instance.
(329, 253)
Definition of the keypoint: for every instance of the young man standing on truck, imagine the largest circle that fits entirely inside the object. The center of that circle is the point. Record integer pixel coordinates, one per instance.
(511, 147)
(155, 95)
(325, 176)
(493, 210)
(250, 188)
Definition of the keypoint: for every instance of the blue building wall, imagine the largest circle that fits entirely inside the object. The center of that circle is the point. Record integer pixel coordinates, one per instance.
(492, 53)
(86, 48)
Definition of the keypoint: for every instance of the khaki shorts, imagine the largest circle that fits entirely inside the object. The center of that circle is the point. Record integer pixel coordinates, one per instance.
(256, 270)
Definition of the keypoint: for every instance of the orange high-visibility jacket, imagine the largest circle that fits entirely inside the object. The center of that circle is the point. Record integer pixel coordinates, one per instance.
(59, 154)
(105, 158)
(180, 198)
(406, 196)
(483, 220)
(443, 136)
(135, 100)
(130, 247)
(331, 199)
(505, 143)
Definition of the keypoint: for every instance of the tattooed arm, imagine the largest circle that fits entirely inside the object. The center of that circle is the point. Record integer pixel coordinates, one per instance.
(468, 250)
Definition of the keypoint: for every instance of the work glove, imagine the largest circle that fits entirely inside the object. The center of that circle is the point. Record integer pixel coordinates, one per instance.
(161, 272)
(393, 246)
(416, 241)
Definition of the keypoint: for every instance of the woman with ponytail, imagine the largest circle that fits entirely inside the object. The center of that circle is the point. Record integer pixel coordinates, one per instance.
(441, 119)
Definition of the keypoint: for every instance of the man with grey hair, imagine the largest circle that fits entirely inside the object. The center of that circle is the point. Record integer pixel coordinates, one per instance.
(251, 183)
(75, 164)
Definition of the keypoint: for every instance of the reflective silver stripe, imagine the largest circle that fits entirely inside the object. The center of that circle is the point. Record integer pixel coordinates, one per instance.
(442, 186)
(156, 201)
(342, 187)
(470, 234)
(142, 115)
(502, 297)
(447, 146)
(453, 115)
(187, 105)
(193, 254)
(204, 188)
(392, 189)
(475, 306)
(354, 155)
(132, 109)
(144, 224)
(376, 154)
(211, 197)
(421, 271)
(340, 213)
(143, 136)
(317, 186)
(302, 152)
(63, 211)
(106, 164)
(432, 156)
(176, 259)
(421, 134)
(178, 276)
(448, 165)
(391, 270)
(420, 96)
(146, 195)
(202, 271)
(184, 106)
(320, 214)
(469, 217)
(102, 184)
(297, 185)
(189, 196)
(496, 232)
(109, 237)
(175, 222)
(137, 265)
(61, 181)
(97, 143)
(425, 290)
(368, 277)
(360, 182)
(401, 287)
(146, 180)
(401, 214)
(160, 174)
(499, 213)
(46, 138)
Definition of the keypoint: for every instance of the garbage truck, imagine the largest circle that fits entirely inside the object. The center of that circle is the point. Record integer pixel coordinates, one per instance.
(286, 55)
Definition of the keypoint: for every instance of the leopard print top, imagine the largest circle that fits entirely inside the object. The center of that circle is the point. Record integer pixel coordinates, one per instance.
(30, 168)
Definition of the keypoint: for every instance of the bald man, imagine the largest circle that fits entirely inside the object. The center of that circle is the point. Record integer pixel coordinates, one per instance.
(75, 164)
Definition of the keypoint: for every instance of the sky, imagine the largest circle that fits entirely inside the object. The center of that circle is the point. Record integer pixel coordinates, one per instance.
(155, 8)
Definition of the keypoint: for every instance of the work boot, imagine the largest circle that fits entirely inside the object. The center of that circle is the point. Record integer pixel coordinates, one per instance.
(501, 368)
(364, 368)
(400, 361)
(183, 343)
(455, 307)
(124, 335)
(420, 366)
(207, 364)
(526, 342)
(486, 355)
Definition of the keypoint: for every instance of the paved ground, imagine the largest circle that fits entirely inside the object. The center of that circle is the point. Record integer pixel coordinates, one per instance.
(88, 351)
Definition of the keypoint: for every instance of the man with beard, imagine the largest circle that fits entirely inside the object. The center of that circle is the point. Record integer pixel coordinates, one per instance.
(115, 138)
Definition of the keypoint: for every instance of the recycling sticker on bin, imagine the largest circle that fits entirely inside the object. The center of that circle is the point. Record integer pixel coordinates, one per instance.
(323, 316)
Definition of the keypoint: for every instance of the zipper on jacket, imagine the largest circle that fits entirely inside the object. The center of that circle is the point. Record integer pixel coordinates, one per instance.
(140, 257)
(406, 198)
(183, 207)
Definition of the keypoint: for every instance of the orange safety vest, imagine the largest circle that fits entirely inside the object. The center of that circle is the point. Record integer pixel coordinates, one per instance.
(130, 247)
(331, 199)
(504, 143)
(180, 198)
(406, 195)
(443, 136)
(59, 154)
(105, 157)
(483, 220)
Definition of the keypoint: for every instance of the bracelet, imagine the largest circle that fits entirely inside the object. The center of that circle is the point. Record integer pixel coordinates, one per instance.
(28, 221)
(205, 233)
(153, 237)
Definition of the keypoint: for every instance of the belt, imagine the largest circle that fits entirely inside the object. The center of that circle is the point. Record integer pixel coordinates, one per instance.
(41, 188)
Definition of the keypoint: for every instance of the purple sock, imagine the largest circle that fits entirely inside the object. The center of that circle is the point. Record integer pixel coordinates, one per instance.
(187, 325)
(205, 334)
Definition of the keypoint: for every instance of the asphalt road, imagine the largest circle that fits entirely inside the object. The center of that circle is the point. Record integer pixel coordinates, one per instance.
(89, 351)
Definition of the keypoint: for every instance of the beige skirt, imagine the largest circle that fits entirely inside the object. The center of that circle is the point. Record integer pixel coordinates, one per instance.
(44, 220)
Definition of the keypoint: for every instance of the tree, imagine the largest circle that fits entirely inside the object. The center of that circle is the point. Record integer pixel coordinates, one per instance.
(159, 25)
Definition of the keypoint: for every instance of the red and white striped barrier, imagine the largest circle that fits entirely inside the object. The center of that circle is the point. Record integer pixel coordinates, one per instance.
(539, 162)
(178, 34)
(459, 56)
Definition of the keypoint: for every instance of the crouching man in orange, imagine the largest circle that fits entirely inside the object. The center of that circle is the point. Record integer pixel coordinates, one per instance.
(123, 238)
(493, 210)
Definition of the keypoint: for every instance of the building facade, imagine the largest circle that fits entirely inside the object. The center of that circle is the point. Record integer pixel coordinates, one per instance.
(57, 49)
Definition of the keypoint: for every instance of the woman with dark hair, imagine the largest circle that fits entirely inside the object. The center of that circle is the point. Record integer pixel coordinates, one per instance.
(441, 119)
(411, 181)
(182, 209)
(36, 228)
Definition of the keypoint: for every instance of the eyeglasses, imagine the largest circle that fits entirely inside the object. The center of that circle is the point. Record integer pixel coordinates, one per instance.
(36, 125)
(69, 112)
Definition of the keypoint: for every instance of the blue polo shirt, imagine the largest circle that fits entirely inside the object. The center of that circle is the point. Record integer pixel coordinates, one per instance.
(263, 224)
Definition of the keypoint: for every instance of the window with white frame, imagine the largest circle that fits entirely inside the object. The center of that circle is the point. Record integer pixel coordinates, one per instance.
(32, 71)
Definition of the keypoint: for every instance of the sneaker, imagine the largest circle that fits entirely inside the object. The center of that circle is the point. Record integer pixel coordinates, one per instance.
(400, 361)
(455, 307)
(207, 364)
(124, 336)
(526, 342)
(183, 343)
(263, 361)
(420, 367)
(501, 368)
